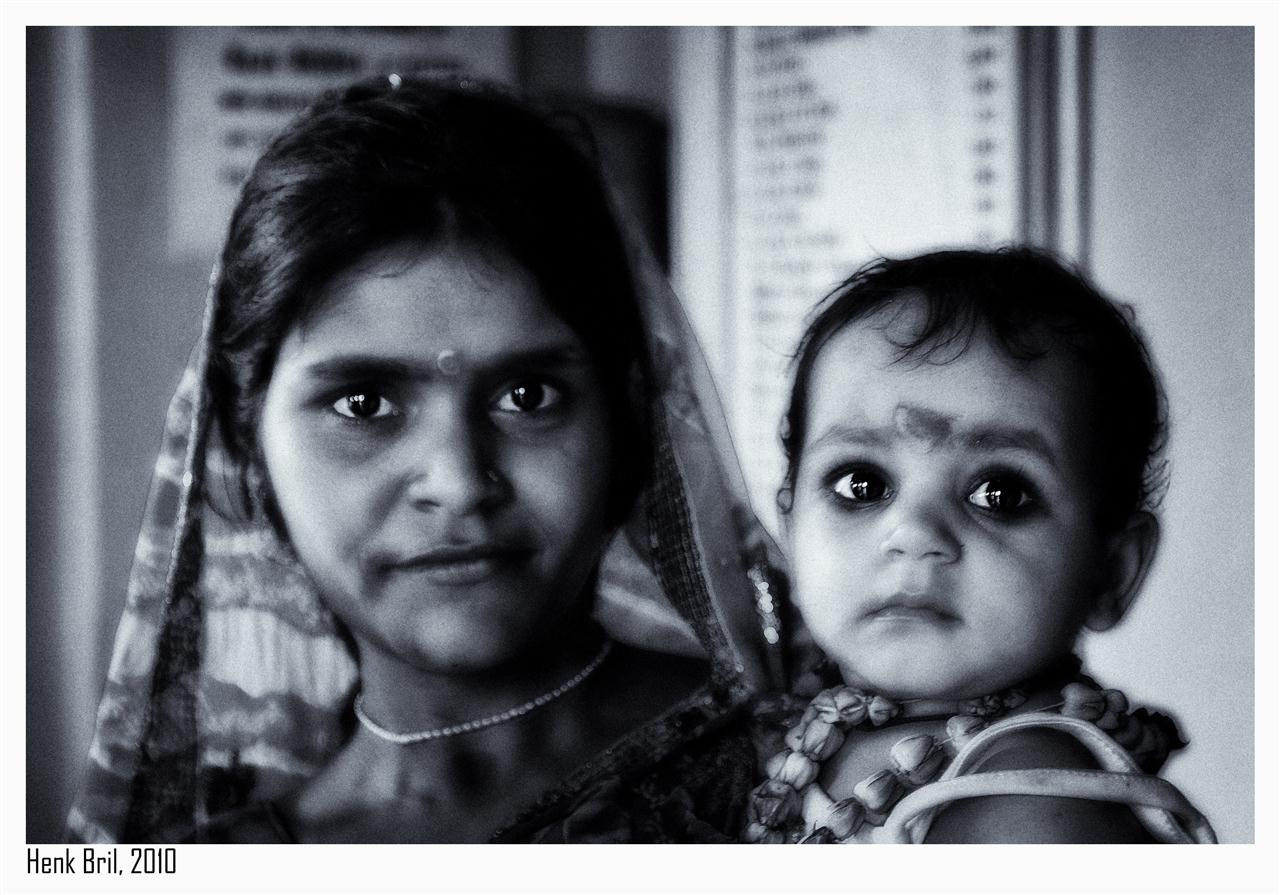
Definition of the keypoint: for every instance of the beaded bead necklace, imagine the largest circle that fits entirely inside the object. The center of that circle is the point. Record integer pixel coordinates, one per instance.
(779, 807)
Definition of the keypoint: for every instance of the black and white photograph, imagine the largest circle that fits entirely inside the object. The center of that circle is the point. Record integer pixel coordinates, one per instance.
(462, 427)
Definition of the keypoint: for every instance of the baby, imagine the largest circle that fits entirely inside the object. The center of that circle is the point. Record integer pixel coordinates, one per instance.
(972, 444)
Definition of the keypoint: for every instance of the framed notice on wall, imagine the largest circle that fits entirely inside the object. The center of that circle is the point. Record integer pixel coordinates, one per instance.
(234, 88)
(846, 144)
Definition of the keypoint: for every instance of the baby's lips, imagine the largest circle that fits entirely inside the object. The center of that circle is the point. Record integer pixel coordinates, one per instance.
(921, 598)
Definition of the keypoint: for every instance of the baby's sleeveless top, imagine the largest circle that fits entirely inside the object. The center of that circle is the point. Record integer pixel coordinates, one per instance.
(1161, 808)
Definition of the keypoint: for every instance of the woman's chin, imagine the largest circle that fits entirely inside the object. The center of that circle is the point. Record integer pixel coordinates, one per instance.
(464, 649)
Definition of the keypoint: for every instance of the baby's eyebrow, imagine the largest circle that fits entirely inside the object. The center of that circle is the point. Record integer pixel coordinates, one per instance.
(979, 437)
(842, 434)
(1002, 437)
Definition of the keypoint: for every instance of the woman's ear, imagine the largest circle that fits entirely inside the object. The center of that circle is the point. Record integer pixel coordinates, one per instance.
(1129, 554)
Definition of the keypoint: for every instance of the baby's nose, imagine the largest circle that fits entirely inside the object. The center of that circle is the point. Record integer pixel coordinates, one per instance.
(920, 535)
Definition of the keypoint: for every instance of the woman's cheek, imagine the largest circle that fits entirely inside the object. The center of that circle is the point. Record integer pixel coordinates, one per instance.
(565, 483)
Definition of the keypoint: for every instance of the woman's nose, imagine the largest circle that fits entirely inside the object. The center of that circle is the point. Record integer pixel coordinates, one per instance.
(450, 469)
(917, 532)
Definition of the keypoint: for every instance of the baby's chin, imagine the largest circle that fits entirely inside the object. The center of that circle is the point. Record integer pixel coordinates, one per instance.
(915, 682)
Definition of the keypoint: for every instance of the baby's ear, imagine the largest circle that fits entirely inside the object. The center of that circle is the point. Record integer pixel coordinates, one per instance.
(1129, 553)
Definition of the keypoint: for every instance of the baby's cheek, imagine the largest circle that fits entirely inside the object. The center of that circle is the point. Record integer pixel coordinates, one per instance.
(824, 534)
(826, 582)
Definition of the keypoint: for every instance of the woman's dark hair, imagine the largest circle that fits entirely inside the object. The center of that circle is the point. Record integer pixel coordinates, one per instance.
(401, 159)
(1029, 303)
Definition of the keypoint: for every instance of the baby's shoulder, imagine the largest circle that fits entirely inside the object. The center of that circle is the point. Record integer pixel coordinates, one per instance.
(1018, 748)
(1049, 754)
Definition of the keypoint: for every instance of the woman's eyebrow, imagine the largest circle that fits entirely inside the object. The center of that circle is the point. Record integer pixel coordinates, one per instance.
(347, 367)
(561, 354)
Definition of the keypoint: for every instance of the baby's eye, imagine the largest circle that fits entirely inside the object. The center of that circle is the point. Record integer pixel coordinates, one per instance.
(861, 486)
(363, 404)
(1001, 494)
(529, 395)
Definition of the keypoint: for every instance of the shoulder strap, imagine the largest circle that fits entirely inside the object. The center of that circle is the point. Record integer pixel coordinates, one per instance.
(1159, 805)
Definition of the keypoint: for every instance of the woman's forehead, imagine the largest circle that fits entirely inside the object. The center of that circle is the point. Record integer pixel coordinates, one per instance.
(439, 307)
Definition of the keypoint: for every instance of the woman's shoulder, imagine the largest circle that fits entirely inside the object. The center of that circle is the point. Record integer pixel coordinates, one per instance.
(639, 684)
(680, 770)
(671, 702)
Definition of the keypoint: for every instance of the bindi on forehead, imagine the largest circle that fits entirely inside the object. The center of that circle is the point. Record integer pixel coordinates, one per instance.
(449, 362)
(920, 424)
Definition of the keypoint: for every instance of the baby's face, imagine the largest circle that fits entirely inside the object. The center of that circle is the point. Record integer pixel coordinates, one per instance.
(942, 535)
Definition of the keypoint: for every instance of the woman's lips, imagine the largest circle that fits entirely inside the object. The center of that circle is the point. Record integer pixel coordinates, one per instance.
(460, 564)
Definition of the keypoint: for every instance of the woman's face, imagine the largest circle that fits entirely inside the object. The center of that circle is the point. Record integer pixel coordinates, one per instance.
(437, 443)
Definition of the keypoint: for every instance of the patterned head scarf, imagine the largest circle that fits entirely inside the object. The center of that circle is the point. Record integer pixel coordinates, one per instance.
(231, 682)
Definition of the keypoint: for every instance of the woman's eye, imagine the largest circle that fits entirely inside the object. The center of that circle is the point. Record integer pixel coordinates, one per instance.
(529, 395)
(861, 486)
(363, 404)
(1001, 495)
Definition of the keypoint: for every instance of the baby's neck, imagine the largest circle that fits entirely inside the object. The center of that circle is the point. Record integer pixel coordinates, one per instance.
(1053, 675)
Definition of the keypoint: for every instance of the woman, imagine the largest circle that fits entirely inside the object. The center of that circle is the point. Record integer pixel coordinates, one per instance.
(443, 492)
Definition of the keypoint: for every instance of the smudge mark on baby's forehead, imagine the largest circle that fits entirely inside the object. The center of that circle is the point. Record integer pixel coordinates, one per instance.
(920, 424)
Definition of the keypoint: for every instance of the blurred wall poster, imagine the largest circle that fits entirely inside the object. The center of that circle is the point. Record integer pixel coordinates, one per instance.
(235, 87)
(848, 143)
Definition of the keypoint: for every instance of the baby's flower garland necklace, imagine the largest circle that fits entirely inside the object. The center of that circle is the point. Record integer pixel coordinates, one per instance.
(776, 812)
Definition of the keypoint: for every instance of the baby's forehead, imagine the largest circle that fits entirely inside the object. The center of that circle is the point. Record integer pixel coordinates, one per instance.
(897, 338)
(972, 396)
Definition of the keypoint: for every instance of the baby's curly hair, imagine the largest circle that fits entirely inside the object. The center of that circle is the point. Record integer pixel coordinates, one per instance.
(1030, 303)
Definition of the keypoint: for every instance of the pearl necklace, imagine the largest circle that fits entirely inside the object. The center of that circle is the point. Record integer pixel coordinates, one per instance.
(437, 733)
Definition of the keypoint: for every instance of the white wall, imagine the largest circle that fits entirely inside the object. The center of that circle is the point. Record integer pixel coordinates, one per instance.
(1173, 234)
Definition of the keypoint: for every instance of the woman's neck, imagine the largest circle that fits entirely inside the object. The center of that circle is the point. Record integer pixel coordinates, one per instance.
(403, 697)
(467, 784)
(455, 789)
